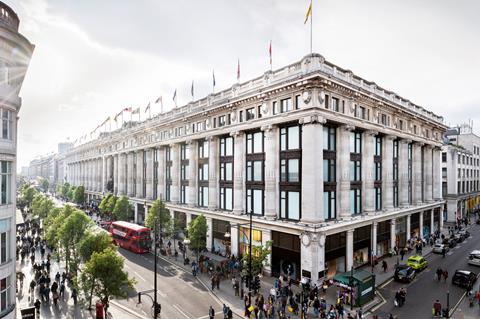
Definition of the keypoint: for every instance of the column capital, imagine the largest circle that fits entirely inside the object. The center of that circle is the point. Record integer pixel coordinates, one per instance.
(405, 141)
(347, 127)
(267, 128)
(236, 134)
(390, 137)
(418, 143)
(393, 222)
(429, 146)
(312, 119)
(370, 133)
(211, 138)
(350, 231)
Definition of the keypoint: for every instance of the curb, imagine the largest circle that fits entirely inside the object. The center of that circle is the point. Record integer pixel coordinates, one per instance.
(116, 304)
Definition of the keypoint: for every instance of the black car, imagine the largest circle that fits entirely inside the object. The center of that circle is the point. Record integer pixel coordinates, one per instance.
(450, 242)
(464, 278)
(404, 273)
(464, 233)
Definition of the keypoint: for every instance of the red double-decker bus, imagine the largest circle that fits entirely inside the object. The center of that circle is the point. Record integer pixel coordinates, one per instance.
(131, 236)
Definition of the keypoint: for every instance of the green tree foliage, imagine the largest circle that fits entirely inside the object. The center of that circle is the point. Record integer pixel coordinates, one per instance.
(79, 195)
(123, 209)
(107, 205)
(70, 193)
(44, 184)
(65, 190)
(104, 277)
(70, 233)
(259, 258)
(27, 193)
(158, 212)
(197, 232)
(41, 205)
(94, 242)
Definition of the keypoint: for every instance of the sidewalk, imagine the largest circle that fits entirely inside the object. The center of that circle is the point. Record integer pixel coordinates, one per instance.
(464, 311)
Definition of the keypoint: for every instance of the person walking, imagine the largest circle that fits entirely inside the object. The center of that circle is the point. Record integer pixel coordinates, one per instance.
(211, 313)
(437, 308)
(384, 266)
(445, 275)
(444, 252)
(439, 273)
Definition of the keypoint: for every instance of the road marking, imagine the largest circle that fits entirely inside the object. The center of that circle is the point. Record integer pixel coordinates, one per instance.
(386, 283)
(136, 273)
(180, 310)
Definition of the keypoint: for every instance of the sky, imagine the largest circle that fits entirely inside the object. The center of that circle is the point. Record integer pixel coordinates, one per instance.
(92, 58)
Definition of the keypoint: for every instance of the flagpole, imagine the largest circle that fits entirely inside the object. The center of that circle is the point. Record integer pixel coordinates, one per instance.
(311, 28)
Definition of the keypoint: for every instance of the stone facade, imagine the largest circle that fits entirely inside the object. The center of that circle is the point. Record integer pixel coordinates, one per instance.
(461, 174)
(15, 53)
(324, 160)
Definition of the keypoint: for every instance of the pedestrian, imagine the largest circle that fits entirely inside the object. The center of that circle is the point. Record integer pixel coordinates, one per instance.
(225, 311)
(437, 308)
(217, 280)
(230, 313)
(402, 253)
(37, 306)
(62, 289)
(237, 288)
(213, 283)
(74, 296)
(445, 275)
(211, 313)
(439, 273)
(384, 266)
(444, 252)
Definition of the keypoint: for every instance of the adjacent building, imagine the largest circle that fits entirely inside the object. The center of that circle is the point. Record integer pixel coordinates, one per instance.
(334, 168)
(15, 54)
(461, 173)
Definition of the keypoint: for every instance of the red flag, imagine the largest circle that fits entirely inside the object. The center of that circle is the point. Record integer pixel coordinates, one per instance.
(238, 70)
(127, 109)
(270, 52)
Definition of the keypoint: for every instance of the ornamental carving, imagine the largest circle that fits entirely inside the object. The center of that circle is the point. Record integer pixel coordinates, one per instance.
(307, 97)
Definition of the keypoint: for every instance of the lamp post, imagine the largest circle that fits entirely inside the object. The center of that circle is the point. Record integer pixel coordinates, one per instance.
(249, 277)
(155, 272)
(351, 289)
(447, 315)
(186, 242)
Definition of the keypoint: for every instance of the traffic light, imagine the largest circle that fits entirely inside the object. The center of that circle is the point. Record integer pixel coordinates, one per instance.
(256, 283)
(158, 308)
(139, 297)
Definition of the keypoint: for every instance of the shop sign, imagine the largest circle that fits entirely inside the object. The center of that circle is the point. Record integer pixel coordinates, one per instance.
(366, 291)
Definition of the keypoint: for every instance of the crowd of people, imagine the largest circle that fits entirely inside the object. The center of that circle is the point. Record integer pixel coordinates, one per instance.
(43, 287)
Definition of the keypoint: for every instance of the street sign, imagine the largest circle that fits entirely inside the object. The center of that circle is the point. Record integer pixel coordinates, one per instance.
(28, 313)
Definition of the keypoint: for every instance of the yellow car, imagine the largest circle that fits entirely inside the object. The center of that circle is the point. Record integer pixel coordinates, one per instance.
(417, 262)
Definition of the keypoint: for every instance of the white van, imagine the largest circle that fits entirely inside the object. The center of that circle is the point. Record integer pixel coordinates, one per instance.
(474, 258)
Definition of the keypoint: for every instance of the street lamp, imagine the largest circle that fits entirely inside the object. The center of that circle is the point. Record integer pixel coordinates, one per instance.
(186, 242)
(249, 277)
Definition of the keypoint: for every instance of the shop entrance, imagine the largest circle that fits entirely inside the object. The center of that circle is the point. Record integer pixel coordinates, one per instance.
(362, 246)
(383, 238)
(286, 255)
(335, 250)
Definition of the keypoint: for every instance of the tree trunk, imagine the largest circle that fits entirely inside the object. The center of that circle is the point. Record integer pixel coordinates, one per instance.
(91, 295)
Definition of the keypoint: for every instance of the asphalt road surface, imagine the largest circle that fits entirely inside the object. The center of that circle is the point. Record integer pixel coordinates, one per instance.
(425, 289)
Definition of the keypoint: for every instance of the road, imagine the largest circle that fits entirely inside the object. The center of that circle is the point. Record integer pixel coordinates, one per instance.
(425, 289)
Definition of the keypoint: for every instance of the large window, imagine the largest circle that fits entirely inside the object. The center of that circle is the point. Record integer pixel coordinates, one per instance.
(329, 205)
(290, 170)
(203, 172)
(255, 143)
(329, 138)
(329, 168)
(4, 240)
(286, 105)
(255, 171)
(203, 196)
(5, 185)
(290, 138)
(5, 295)
(7, 124)
(378, 198)
(329, 172)
(356, 142)
(410, 173)
(290, 205)
(226, 198)
(184, 162)
(395, 173)
(355, 201)
(255, 199)
(226, 173)
(355, 172)
(203, 149)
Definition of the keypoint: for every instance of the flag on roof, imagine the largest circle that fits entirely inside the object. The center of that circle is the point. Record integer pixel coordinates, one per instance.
(309, 12)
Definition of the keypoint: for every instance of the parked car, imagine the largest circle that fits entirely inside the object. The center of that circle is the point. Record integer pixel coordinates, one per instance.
(464, 233)
(438, 248)
(458, 238)
(417, 262)
(450, 242)
(404, 273)
(464, 278)
(474, 258)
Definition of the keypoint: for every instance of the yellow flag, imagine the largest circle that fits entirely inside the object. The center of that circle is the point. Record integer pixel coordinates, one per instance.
(309, 12)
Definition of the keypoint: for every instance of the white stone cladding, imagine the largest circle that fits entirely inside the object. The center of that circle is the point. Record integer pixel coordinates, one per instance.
(284, 171)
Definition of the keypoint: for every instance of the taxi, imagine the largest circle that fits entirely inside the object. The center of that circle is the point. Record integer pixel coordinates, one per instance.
(417, 262)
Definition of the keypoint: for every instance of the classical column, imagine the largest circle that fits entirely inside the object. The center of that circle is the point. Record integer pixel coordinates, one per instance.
(234, 240)
(374, 238)
(271, 170)
(432, 223)
(267, 236)
(192, 176)
(403, 172)
(312, 169)
(428, 169)
(149, 174)
(417, 173)
(312, 254)
(115, 173)
(343, 170)
(387, 172)
(437, 173)
(349, 253)
(175, 173)
(209, 240)
(100, 174)
(409, 229)
(213, 158)
(441, 219)
(130, 175)
(139, 188)
(188, 218)
(135, 214)
(161, 174)
(239, 172)
(420, 218)
(368, 176)
(392, 233)
(105, 171)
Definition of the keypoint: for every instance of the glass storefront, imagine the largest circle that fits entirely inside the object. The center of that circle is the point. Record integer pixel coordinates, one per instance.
(221, 244)
(401, 232)
(383, 238)
(361, 245)
(335, 250)
(286, 255)
(414, 225)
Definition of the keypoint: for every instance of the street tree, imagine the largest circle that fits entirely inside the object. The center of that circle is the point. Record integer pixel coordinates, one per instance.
(71, 232)
(42, 205)
(70, 193)
(123, 209)
(259, 258)
(94, 241)
(54, 222)
(161, 215)
(27, 193)
(79, 195)
(197, 233)
(44, 184)
(103, 276)
(107, 205)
